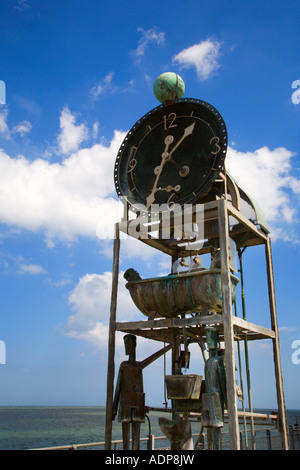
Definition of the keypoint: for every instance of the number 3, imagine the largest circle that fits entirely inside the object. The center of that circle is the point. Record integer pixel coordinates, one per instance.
(215, 140)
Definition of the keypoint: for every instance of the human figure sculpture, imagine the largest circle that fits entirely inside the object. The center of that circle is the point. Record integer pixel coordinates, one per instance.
(129, 393)
(214, 400)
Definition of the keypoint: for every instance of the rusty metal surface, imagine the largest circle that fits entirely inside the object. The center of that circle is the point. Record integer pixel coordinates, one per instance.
(179, 294)
(179, 433)
(184, 387)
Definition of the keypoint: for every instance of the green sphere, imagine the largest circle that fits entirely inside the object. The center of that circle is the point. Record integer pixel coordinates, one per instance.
(168, 87)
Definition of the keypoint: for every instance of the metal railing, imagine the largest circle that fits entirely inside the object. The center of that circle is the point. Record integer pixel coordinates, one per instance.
(264, 439)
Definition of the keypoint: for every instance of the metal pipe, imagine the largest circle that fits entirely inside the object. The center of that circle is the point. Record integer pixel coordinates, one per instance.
(240, 252)
(241, 382)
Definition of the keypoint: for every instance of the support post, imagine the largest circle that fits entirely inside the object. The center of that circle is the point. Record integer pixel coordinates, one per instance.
(233, 424)
(276, 349)
(111, 340)
(247, 355)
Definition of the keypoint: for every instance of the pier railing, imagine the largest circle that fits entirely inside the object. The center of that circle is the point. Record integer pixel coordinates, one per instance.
(263, 439)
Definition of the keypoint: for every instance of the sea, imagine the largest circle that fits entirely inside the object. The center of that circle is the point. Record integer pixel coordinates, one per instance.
(35, 427)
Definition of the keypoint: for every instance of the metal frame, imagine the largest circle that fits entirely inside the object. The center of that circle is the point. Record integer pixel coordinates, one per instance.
(230, 326)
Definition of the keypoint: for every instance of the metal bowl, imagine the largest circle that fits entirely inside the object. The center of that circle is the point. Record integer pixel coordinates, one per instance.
(178, 294)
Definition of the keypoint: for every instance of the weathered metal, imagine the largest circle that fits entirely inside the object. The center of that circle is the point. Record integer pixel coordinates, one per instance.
(179, 433)
(215, 398)
(183, 387)
(178, 294)
(129, 394)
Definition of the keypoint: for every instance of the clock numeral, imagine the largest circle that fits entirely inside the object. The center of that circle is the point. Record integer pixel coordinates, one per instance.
(167, 125)
(132, 163)
(215, 140)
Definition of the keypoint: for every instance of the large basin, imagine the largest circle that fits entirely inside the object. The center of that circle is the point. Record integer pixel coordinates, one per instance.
(178, 294)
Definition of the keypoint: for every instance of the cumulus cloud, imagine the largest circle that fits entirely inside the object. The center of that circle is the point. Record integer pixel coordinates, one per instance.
(22, 128)
(267, 176)
(76, 197)
(203, 56)
(64, 200)
(90, 302)
(71, 135)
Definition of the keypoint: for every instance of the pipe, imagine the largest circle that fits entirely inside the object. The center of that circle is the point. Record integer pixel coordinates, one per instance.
(240, 252)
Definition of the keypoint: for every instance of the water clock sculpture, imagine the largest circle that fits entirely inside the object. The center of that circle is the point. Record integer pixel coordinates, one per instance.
(179, 199)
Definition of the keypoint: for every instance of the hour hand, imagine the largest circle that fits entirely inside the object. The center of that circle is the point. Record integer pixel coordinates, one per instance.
(150, 199)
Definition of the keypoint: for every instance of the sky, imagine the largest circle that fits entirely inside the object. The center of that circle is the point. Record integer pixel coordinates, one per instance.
(78, 75)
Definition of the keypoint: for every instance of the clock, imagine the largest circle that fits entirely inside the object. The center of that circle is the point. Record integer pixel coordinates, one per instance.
(172, 155)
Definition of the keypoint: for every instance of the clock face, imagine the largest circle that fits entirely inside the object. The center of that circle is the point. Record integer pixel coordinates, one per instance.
(171, 156)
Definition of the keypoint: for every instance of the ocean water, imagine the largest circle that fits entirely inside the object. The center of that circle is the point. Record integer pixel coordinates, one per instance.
(39, 427)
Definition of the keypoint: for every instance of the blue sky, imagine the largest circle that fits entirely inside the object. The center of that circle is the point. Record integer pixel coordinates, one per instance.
(78, 75)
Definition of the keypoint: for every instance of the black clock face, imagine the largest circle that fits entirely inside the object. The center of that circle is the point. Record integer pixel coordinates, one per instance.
(171, 156)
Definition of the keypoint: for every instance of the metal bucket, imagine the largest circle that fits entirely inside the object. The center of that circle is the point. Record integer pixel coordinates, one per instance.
(183, 387)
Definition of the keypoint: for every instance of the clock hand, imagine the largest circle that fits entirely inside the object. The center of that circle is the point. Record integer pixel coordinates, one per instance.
(165, 157)
(158, 169)
(187, 131)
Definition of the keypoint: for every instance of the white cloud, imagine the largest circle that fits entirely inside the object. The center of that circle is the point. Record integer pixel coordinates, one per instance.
(77, 196)
(21, 5)
(149, 36)
(4, 130)
(103, 86)
(31, 269)
(23, 128)
(203, 56)
(264, 173)
(288, 329)
(64, 200)
(90, 301)
(71, 135)
(95, 129)
(267, 176)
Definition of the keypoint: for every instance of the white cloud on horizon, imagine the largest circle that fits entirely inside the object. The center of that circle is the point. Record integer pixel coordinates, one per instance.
(203, 56)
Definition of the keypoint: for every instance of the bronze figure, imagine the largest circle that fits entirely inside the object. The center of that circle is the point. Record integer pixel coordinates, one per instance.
(129, 393)
(214, 400)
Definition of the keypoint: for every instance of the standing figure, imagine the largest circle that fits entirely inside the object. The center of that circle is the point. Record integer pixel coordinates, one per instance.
(214, 400)
(129, 393)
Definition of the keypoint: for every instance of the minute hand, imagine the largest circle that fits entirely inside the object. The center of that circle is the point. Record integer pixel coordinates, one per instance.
(166, 156)
(187, 131)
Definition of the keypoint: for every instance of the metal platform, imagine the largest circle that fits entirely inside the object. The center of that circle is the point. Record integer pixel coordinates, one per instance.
(165, 329)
